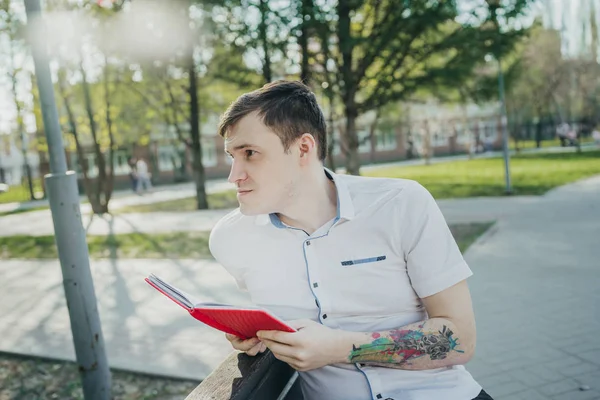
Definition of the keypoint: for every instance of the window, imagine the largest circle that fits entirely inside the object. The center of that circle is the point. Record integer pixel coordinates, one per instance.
(92, 168)
(438, 138)
(74, 163)
(491, 130)
(462, 134)
(164, 157)
(364, 141)
(120, 165)
(209, 152)
(385, 139)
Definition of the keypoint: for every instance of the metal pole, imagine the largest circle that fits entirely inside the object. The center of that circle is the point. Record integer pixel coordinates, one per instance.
(508, 188)
(69, 233)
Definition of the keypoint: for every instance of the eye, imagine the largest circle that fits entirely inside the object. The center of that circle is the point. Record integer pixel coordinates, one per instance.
(250, 153)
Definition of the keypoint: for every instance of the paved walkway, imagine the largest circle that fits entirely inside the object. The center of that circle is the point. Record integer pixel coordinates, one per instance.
(535, 290)
(535, 282)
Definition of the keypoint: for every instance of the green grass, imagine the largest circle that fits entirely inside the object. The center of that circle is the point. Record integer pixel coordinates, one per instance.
(20, 193)
(531, 144)
(133, 245)
(466, 234)
(532, 174)
(160, 245)
(216, 201)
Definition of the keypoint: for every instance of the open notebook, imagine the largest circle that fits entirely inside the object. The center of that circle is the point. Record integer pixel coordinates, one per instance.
(243, 322)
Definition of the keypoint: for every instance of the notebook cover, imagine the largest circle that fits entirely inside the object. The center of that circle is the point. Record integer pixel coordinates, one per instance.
(243, 323)
(240, 322)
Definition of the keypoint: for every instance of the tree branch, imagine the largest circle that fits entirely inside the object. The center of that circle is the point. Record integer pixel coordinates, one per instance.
(378, 97)
(378, 39)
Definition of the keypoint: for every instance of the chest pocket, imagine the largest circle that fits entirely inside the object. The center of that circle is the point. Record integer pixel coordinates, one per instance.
(367, 260)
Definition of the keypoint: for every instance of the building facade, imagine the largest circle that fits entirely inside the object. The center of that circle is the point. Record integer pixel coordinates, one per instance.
(425, 130)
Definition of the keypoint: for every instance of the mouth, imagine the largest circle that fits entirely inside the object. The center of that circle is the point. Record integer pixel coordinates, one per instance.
(241, 192)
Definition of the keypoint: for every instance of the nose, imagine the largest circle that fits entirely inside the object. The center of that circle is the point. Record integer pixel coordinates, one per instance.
(237, 173)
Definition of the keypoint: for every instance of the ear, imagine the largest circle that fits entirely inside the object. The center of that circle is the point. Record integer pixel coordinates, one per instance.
(307, 146)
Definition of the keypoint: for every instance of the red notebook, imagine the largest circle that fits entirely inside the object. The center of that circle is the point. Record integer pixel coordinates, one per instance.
(243, 322)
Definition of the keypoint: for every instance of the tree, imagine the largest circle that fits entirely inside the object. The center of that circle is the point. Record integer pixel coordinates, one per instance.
(260, 27)
(97, 96)
(388, 51)
(11, 27)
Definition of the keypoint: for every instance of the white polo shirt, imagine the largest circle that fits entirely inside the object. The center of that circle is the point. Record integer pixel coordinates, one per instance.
(364, 271)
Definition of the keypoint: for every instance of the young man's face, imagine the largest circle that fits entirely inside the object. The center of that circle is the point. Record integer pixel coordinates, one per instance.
(265, 175)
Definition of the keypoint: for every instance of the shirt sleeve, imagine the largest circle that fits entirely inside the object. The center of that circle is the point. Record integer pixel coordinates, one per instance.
(219, 244)
(433, 259)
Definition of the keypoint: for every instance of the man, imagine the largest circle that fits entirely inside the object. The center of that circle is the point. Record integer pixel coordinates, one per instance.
(142, 176)
(365, 269)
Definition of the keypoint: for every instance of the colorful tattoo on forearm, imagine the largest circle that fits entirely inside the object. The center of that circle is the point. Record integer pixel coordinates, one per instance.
(400, 346)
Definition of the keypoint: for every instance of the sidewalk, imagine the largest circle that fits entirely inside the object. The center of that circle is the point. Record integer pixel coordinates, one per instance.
(124, 198)
(536, 298)
(535, 292)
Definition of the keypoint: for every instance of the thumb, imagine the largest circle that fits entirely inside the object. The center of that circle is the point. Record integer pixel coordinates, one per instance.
(300, 323)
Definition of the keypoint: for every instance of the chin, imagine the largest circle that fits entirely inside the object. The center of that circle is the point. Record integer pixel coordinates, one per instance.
(255, 207)
(251, 211)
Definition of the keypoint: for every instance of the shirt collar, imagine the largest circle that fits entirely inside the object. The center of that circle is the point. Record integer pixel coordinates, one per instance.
(345, 206)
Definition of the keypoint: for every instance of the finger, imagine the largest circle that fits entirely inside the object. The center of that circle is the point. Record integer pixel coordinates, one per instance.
(300, 323)
(230, 337)
(263, 347)
(279, 348)
(254, 350)
(277, 336)
(288, 360)
(245, 345)
(233, 338)
(250, 343)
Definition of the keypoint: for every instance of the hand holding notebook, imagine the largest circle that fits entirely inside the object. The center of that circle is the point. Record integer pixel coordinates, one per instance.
(243, 322)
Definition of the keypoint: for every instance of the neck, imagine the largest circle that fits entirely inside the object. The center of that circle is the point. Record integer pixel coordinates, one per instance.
(314, 204)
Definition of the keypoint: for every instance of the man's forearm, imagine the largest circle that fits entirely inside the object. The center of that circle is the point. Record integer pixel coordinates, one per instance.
(429, 344)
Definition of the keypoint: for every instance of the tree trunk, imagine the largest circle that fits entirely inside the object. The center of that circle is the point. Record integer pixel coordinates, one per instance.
(427, 143)
(331, 133)
(352, 158)
(538, 133)
(102, 204)
(349, 86)
(410, 144)
(198, 167)
(466, 128)
(307, 13)
(263, 8)
(110, 181)
(373, 135)
(91, 194)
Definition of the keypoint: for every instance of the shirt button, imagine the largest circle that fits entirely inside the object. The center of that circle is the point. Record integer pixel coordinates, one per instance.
(308, 242)
(324, 316)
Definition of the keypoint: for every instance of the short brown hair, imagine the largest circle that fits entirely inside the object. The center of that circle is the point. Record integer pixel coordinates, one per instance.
(289, 108)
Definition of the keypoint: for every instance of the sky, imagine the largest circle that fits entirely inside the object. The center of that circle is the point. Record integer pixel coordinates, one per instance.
(553, 11)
